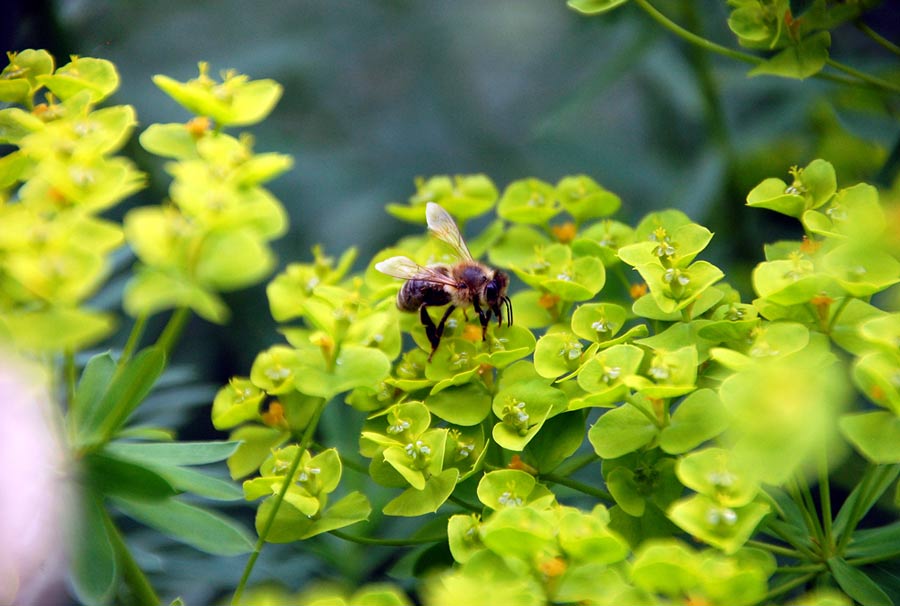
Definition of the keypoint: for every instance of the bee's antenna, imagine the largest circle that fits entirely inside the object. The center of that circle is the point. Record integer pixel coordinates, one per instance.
(508, 305)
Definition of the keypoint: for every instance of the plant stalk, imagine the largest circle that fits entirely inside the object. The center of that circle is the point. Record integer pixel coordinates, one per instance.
(305, 441)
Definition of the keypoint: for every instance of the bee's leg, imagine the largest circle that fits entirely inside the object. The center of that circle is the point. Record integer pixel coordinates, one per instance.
(431, 331)
(484, 317)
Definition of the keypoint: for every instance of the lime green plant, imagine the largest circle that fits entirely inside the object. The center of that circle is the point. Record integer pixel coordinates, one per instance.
(211, 236)
(641, 433)
(705, 416)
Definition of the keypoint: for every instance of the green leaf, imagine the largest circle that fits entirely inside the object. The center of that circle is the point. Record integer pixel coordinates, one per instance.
(229, 260)
(874, 374)
(558, 439)
(620, 431)
(94, 568)
(464, 405)
(257, 443)
(94, 382)
(96, 76)
(594, 7)
(873, 492)
(127, 389)
(875, 434)
(727, 528)
(236, 403)
(516, 247)
(557, 353)
(791, 282)
(201, 484)
(586, 537)
(625, 490)
(598, 321)
(716, 473)
(505, 488)
(56, 329)
(802, 60)
(414, 502)
(112, 476)
(234, 102)
(880, 541)
(520, 532)
(699, 417)
(857, 584)
(169, 141)
(529, 201)
(355, 366)
(151, 290)
(174, 453)
(666, 566)
(584, 199)
(202, 529)
(291, 525)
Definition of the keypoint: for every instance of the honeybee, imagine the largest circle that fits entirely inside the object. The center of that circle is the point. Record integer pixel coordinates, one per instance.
(465, 284)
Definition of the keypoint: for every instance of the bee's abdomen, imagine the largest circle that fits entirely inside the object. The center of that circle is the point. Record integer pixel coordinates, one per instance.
(416, 293)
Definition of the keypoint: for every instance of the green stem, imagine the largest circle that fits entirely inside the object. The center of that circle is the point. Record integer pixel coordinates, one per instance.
(575, 463)
(579, 486)
(801, 568)
(809, 555)
(785, 551)
(464, 504)
(652, 417)
(809, 507)
(133, 339)
(867, 497)
(134, 577)
(387, 542)
(877, 37)
(787, 586)
(872, 559)
(868, 79)
(711, 46)
(694, 38)
(305, 441)
(864, 484)
(70, 375)
(837, 313)
(825, 499)
(173, 329)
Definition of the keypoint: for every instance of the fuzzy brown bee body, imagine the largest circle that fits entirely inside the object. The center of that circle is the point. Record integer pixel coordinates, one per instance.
(465, 284)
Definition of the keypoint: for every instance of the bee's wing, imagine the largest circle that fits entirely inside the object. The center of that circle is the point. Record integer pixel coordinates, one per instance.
(406, 268)
(444, 227)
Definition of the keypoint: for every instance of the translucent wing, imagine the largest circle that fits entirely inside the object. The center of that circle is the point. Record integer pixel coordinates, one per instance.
(406, 268)
(444, 227)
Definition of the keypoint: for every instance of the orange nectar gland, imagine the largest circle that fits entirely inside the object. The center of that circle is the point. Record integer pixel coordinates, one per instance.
(565, 232)
(877, 393)
(516, 462)
(472, 333)
(637, 290)
(548, 300)
(553, 567)
(198, 126)
(808, 246)
(325, 343)
(822, 303)
(274, 416)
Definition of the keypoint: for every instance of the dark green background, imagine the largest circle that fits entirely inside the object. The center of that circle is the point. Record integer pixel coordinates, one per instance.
(379, 92)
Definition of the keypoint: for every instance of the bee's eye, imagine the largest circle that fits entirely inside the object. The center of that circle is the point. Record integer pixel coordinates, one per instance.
(490, 291)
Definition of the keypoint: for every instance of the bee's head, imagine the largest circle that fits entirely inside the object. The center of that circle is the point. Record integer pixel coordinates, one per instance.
(496, 289)
(495, 295)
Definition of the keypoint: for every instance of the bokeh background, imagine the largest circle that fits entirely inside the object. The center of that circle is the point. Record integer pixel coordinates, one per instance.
(377, 92)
